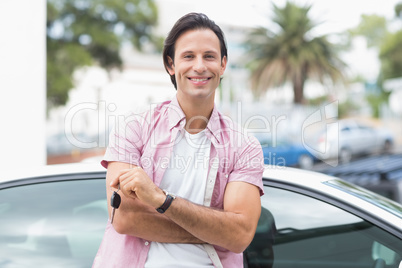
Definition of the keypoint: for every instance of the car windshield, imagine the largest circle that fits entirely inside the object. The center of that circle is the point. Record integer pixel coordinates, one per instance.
(371, 197)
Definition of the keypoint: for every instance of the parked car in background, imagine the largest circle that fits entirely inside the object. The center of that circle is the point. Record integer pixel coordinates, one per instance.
(349, 138)
(381, 174)
(285, 152)
(56, 216)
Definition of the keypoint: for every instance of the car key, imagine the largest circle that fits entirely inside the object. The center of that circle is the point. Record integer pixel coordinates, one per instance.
(115, 201)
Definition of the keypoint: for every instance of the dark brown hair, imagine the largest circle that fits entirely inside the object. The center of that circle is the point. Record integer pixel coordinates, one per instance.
(191, 21)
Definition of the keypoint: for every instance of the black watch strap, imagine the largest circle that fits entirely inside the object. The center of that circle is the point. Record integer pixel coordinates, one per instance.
(168, 201)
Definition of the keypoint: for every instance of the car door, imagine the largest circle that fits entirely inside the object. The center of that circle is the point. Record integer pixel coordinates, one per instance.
(54, 221)
(297, 230)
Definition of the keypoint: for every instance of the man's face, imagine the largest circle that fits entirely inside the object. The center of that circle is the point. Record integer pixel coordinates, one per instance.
(197, 64)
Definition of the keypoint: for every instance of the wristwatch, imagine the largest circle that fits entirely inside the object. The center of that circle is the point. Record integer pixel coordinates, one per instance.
(168, 201)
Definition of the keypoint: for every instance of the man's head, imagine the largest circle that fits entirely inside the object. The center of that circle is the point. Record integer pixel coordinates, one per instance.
(191, 21)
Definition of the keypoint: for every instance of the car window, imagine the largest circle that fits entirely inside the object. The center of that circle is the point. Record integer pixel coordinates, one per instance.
(57, 224)
(296, 230)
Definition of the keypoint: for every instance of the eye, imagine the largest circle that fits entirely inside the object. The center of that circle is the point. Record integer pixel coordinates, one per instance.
(188, 56)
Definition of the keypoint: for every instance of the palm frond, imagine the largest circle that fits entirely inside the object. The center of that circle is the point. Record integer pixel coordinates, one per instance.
(290, 53)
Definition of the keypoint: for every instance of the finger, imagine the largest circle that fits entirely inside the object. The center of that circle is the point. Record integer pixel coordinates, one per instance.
(127, 176)
(123, 171)
(128, 173)
(126, 189)
(129, 188)
(114, 183)
(128, 181)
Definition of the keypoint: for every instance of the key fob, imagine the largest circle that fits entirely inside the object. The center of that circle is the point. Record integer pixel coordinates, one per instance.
(115, 200)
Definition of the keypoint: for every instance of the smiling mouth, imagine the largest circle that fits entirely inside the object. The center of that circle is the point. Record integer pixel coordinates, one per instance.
(199, 79)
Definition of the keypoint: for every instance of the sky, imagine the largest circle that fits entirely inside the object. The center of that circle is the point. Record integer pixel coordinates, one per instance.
(336, 17)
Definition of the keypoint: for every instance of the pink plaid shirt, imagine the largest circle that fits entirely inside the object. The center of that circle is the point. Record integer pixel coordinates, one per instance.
(147, 140)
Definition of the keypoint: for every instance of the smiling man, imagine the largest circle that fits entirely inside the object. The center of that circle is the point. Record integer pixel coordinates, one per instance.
(190, 180)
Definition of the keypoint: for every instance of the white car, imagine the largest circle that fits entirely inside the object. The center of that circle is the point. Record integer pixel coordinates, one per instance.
(348, 138)
(55, 217)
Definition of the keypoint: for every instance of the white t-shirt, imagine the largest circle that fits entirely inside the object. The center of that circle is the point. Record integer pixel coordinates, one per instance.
(186, 177)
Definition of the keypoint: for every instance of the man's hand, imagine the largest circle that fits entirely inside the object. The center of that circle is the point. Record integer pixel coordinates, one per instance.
(136, 218)
(135, 183)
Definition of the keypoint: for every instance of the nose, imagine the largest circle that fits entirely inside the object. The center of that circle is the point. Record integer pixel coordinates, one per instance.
(199, 65)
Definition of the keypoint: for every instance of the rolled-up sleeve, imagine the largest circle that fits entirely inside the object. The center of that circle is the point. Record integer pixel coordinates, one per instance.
(249, 164)
(125, 141)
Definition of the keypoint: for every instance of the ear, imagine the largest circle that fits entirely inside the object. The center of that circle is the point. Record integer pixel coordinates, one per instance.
(170, 66)
(223, 65)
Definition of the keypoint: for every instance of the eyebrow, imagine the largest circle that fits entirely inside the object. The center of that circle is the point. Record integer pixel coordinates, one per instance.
(206, 52)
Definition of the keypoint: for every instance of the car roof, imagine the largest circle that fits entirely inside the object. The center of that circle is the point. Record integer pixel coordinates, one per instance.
(338, 191)
(49, 170)
(316, 181)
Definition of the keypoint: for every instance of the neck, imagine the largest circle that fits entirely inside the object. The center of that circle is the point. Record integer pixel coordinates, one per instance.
(197, 113)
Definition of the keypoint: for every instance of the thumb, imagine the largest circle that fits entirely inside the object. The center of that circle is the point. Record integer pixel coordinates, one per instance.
(115, 183)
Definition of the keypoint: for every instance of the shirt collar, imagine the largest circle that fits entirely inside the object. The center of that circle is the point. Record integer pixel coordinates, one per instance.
(176, 116)
(175, 113)
(214, 125)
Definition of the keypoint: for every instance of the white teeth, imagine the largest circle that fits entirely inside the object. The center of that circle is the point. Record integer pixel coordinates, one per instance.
(199, 80)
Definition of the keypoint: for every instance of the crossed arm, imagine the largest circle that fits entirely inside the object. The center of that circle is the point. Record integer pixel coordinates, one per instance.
(232, 228)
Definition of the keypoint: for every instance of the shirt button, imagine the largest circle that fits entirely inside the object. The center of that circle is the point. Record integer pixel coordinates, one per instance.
(146, 243)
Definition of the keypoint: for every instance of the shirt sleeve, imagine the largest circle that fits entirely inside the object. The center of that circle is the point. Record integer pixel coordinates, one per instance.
(249, 164)
(125, 141)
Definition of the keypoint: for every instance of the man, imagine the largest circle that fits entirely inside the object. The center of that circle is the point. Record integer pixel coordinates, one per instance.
(190, 180)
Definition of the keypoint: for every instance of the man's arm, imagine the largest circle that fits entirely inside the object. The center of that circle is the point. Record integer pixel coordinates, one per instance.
(232, 228)
(136, 218)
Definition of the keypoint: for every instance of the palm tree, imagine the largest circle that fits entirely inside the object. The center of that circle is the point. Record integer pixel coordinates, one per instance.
(291, 54)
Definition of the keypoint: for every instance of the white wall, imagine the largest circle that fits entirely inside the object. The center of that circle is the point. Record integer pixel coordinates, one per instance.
(22, 83)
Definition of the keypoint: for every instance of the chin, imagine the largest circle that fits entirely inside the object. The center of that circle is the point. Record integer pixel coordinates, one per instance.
(202, 94)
